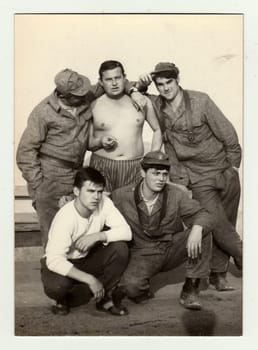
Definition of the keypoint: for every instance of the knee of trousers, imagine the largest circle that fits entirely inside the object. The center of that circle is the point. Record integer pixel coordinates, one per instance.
(120, 251)
(59, 289)
(134, 286)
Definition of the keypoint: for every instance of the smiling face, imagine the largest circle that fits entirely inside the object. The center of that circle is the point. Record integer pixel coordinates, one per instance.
(154, 180)
(167, 87)
(113, 82)
(88, 197)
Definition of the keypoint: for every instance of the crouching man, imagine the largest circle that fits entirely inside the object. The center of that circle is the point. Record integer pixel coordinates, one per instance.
(168, 228)
(86, 253)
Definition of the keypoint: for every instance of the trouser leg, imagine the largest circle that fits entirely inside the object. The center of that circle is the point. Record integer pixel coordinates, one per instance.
(105, 263)
(195, 269)
(143, 264)
(62, 289)
(226, 240)
(230, 195)
(177, 254)
(47, 199)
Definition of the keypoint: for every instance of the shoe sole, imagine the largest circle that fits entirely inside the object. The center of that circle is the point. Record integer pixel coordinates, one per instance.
(226, 289)
(190, 307)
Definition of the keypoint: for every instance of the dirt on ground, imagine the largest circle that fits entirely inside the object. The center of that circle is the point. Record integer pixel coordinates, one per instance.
(161, 316)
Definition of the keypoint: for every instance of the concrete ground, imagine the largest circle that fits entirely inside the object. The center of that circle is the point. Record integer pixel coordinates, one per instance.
(161, 316)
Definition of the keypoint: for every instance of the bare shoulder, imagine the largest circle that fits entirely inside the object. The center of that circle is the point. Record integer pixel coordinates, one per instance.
(98, 102)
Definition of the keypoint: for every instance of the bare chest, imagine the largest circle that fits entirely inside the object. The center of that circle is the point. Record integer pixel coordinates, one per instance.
(117, 114)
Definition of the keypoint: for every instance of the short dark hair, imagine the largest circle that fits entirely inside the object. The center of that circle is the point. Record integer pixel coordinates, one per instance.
(166, 74)
(145, 167)
(88, 174)
(108, 65)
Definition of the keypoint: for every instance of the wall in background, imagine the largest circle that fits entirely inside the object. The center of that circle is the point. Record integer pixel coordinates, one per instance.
(208, 50)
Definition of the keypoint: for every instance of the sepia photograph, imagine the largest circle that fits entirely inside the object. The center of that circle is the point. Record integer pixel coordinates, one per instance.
(128, 174)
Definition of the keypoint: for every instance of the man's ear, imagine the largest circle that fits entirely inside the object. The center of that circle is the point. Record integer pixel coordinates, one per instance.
(76, 191)
(143, 173)
(100, 82)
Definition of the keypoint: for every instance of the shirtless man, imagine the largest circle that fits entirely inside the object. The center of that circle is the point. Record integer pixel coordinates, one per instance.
(114, 114)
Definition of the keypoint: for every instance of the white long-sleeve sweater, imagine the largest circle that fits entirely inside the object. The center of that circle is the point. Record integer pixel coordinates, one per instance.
(68, 225)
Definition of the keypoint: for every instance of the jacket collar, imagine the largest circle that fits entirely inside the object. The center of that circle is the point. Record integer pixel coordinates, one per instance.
(53, 102)
(141, 204)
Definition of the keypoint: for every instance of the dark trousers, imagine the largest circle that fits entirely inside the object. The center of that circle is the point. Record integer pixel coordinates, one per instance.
(164, 256)
(220, 196)
(106, 263)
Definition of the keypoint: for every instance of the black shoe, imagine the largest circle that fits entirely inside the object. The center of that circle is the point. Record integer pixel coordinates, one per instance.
(60, 309)
(218, 280)
(108, 306)
(189, 295)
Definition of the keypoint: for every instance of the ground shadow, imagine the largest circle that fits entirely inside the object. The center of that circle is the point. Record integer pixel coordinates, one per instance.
(199, 323)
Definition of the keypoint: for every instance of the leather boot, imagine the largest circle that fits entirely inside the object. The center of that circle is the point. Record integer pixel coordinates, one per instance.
(189, 295)
(218, 280)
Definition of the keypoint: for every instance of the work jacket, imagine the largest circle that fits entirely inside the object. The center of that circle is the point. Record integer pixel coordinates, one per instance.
(54, 132)
(201, 142)
(179, 211)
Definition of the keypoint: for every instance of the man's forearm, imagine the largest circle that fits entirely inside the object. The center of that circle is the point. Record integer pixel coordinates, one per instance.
(80, 276)
(95, 143)
(156, 140)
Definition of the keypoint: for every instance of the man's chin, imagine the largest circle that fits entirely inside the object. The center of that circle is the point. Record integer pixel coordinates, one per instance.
(159, 188)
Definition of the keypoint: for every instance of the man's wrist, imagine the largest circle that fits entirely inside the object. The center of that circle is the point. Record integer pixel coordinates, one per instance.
(132, 90)
(102, 236)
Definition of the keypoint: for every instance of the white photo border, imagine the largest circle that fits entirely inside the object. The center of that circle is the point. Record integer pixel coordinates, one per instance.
(250, 189)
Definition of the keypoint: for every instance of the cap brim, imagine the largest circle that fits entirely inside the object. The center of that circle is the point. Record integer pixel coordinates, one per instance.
(84, 89)
(160, 71)
(167, 164)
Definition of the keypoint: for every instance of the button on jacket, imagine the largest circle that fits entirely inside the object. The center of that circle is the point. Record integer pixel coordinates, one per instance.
(214, 145)
(180, 210)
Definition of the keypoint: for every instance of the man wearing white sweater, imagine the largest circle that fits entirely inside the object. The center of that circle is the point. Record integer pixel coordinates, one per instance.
(86, 253)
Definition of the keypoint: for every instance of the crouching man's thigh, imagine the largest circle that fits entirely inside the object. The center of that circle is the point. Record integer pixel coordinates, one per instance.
(141, 268)
(55, 286)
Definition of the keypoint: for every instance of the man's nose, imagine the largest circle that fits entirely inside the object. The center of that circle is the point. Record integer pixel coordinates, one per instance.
(162, 177)
(96, 195)
(114, 82)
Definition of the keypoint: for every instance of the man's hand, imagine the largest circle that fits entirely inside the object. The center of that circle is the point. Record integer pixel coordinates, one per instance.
(97, 288)
(236, 169)
(139, 100)
(145, 79)
(64, 200)
(108, 142)
(85, 242)
(194, 242)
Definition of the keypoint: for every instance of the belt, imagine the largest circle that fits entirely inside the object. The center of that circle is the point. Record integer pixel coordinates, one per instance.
(60, 162)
